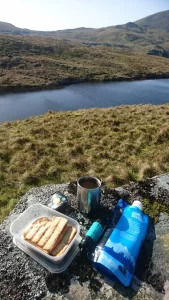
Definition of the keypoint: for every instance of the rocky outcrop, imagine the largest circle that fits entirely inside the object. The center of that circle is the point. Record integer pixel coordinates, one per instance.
(132, 26)
(23, 278)
(159, 51)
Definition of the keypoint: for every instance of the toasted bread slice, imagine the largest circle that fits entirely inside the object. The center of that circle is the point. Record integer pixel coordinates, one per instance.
(66, 240)
(54, 238)
(48, 232)
(50, 236)
(60, 238)
(40, 232)
(31, 230)
(35, 222)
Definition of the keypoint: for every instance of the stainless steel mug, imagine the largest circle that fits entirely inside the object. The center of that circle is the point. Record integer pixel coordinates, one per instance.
(88, 194)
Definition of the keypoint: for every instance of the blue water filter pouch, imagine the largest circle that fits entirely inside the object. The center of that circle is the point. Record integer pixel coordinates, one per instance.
(120, 252)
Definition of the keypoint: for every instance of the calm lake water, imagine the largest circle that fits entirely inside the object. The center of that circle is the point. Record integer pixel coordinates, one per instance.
(14, 106)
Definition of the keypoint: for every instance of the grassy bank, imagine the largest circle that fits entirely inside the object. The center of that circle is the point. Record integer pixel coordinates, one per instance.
(118, 144)
(34, 62)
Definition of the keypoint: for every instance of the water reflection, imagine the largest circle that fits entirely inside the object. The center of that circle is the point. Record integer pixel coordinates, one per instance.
(22, 105)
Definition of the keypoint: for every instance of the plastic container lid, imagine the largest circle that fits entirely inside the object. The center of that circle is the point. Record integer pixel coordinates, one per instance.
(138, 204)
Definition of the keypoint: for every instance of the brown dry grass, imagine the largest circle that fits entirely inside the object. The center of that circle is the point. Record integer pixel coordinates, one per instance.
(40, 62)
(117, 144)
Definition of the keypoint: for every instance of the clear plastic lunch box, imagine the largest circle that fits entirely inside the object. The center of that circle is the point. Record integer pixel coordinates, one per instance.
(27, 218)
(53, 267)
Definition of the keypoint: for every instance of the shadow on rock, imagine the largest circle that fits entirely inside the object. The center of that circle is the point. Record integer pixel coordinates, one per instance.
(58, 283)
(144, 259)
(144, 266)
(126, 292)
(143, 269)
(81, 268)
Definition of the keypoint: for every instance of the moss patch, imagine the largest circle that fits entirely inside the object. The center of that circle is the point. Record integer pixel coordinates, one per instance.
(165, 239)
(154, 208)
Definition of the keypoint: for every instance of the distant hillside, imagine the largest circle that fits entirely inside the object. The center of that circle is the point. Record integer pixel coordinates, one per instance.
(156, 21)
(149, 35)
(38, 62)
(7, 28)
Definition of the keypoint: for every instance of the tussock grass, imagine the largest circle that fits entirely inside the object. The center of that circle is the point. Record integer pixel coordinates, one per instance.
(117, 144)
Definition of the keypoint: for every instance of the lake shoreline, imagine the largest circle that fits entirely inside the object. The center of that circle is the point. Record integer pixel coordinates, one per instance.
(66, 82)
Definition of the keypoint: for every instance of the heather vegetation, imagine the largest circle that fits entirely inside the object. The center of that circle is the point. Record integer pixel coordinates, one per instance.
(36, 62)
(120, 144)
